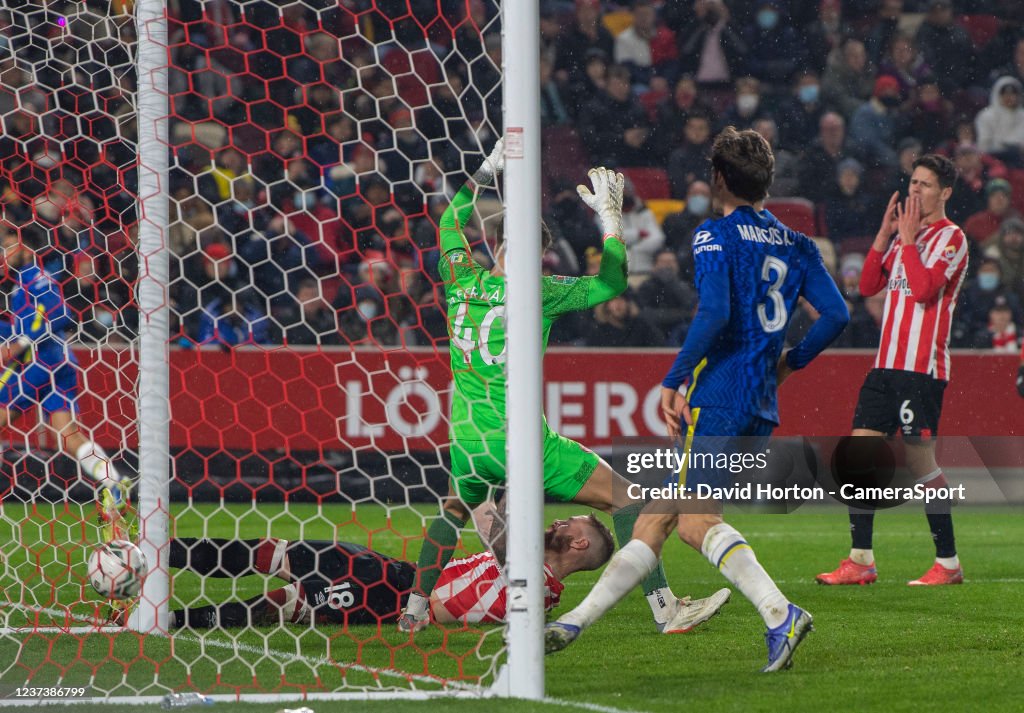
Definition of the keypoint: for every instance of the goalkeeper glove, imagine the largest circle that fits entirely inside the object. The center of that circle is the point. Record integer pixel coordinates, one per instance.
(492, 166)
(606, 200)
(1020, 380)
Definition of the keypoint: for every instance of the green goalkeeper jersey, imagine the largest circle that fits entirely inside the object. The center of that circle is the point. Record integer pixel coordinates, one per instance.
(476, 319)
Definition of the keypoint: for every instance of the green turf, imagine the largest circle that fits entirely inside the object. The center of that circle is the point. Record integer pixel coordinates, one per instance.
(881, 648)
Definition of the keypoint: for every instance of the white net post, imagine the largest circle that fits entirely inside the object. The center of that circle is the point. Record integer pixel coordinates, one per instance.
(522, 216)
(154, 314)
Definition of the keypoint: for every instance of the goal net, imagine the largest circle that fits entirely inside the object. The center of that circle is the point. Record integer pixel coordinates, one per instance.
(312, 147)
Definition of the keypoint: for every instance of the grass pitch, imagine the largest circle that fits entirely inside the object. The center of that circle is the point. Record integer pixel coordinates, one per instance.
(886, 647)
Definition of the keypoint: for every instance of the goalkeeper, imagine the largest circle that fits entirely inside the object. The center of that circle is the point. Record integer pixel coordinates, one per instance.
(476, 322)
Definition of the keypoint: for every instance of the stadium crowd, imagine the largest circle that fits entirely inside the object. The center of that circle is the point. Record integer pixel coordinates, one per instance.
(315, 145)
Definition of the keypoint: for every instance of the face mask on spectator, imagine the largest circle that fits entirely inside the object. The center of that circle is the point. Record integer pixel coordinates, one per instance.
(809, 93)
(747, 103)
(104, 317)
(988, 281)
(698, 205)
(367, 310)
(304, 200)
(890, 101)
(767, 19)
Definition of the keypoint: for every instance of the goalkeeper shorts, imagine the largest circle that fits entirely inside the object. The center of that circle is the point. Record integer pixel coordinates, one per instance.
(479, 467)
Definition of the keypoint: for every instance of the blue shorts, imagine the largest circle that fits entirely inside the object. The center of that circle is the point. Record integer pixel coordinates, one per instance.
(716, 445)
(51, 388)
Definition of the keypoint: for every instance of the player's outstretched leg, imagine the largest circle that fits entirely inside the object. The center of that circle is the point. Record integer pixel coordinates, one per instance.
(438, 546)
(786, 624)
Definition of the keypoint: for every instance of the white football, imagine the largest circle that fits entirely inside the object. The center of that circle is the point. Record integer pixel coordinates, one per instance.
(117, 569)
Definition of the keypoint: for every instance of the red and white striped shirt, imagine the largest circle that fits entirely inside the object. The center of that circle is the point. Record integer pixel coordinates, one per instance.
(474, 589)
(922, 283)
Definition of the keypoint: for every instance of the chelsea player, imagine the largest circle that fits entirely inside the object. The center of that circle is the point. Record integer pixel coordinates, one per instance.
(750, 271)
(39, 370)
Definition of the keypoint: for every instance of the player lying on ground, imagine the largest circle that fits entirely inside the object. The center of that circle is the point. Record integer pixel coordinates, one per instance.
(921, 270)
(750, 271)
(41, 372)
(343, 583)
(476, 323)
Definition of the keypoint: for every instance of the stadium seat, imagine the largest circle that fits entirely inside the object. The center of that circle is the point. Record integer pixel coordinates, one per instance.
(565, 157)
(797, 213)
(664, 206)
(1016, 179)
(649, 183)
(981, 28)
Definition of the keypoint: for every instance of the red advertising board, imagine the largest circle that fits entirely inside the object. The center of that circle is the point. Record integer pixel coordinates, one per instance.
(397, 401)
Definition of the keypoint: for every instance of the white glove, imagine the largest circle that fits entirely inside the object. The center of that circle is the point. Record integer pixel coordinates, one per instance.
(606, 200)
(492, 166)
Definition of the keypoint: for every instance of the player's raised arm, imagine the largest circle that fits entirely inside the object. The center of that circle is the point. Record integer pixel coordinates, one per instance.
(926, 282)
(820, 290)
(562, 294)
(453, 219)
(874, 274)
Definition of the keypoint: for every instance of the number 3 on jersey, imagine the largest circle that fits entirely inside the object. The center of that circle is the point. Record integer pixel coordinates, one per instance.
(778, 320)
(466, 342)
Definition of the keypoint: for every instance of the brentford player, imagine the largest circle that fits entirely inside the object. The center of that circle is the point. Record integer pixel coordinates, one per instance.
(343, 584)
(921, 269)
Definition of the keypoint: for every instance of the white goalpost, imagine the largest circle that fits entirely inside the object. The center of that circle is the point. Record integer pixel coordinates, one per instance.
(273, 154)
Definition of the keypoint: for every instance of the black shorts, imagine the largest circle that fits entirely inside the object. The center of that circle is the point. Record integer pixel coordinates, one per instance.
(893, 400)
(348, 584)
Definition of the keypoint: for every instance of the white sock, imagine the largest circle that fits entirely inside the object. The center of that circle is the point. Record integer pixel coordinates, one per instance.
(627, 569)
(863, 557)
(661, 602)
(726, 549)
(417, 606)
(949, 562)
(96, 464)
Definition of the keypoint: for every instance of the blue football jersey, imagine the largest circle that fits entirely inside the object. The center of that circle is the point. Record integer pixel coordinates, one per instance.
(767, 265)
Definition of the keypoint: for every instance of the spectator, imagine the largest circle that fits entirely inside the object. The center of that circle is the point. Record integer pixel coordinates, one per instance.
(746, 107)
(974, 171)
(673, 112)
(1002, 332)
(904, 62)
(710, 48)
(787, 163)
(883, 29)
(825, 34)
(619, 323)
(666, 300)
(848, 79)
(593, 83)
(849, 211)
(574, 220)
(614, 128)
(1009, 250)
(586, 33)
(640, 232)
(553, 110)
(930, 115)
(908, 150)
(679, 227)
(979, 296)
(862, 331)
(822, 158)
(1000, 125)
(983, 226)
(690, 162)
(800, 114)
(308, 319)
(775, 51)
(633, 45)
(1015, 67)
(874, 125)
(946, 47)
